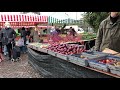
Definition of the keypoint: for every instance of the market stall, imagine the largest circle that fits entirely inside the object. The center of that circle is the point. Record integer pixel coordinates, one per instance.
(22, 20)
(70, 60)
(17, 21)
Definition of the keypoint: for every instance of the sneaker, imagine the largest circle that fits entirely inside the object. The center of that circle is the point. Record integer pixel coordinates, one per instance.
(5, 54)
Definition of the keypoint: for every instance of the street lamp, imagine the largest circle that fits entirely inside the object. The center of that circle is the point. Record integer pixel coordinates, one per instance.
(76, 15)
(68, 18)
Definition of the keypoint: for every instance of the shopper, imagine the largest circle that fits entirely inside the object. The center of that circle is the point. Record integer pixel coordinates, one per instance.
(72, 31)
(21, 44)
(71, 35)
(35, 34)
(28, 35)
(108, 35)
(7, 36)
(1, 55)
(55, 35)
(1, 43)
(58, 30)
(23, 34)
(1, 51)
(28, 30)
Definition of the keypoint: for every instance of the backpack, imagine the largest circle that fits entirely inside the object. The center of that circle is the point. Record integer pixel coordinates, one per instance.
(23, 33)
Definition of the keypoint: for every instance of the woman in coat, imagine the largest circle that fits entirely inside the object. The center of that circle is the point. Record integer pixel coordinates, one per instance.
(35, 34)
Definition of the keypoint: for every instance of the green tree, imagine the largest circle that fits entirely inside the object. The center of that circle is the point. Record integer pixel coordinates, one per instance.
(94, 18)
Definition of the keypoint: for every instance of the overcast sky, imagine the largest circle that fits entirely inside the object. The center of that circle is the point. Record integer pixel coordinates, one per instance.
(64, 15)
(58, 15)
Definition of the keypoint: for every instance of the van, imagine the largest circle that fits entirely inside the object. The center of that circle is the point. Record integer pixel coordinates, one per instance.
(77, 29)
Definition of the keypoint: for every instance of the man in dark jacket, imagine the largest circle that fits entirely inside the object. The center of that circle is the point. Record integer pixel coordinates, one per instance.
(24, 34)
(7, 36)
(108, 35)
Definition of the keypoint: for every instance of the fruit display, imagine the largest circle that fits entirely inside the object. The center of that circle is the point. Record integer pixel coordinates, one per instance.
(67, 49)
(114, 68)
(81, 56)
(41, 45)
(84, 57)
(107, 61)
(88, 36)
(78, 59)
(117, 64)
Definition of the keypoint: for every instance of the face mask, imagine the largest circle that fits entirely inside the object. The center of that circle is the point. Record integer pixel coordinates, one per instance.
(7, 26)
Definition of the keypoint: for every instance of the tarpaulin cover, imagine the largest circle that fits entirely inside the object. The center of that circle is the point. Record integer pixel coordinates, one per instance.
(53, 67)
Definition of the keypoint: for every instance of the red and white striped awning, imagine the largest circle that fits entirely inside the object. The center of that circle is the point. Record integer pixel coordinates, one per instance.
(23, 18)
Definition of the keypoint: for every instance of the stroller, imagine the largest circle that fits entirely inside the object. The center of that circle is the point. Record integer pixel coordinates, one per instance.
(16, 53)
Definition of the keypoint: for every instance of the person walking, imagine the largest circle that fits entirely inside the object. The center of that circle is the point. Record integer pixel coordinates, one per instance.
(24, 36)
(1, 51)
(7, 36)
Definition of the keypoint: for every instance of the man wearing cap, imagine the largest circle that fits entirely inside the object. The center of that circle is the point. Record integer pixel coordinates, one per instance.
(7, 36)
(108, 35)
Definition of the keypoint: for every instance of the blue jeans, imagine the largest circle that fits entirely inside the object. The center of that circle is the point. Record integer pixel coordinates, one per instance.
(5, 50)
(23, 49)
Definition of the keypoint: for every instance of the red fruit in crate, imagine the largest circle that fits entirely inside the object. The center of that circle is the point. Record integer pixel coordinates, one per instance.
(107, 61)
(104, 61)
(112, 60)
(100, 61)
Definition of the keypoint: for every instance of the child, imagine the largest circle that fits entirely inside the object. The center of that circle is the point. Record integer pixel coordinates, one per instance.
(21, 44)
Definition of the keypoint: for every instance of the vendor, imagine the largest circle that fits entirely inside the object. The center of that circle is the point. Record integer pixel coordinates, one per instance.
(71, 34)
(55, 35)
(108, 35)
(72, 31)
(35, 34)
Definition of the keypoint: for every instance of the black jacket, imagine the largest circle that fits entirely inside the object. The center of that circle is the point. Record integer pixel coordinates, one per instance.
(7, 35)
(23, 33)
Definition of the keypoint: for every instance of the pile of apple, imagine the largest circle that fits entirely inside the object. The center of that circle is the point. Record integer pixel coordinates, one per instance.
(107, 61)
(66, 49)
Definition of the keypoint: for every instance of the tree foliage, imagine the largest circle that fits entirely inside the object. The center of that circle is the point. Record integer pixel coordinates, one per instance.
(94, 18)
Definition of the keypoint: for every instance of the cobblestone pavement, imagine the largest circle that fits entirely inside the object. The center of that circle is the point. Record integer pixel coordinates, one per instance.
(20, 69)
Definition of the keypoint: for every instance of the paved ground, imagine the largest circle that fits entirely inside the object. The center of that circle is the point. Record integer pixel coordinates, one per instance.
(20, 69)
